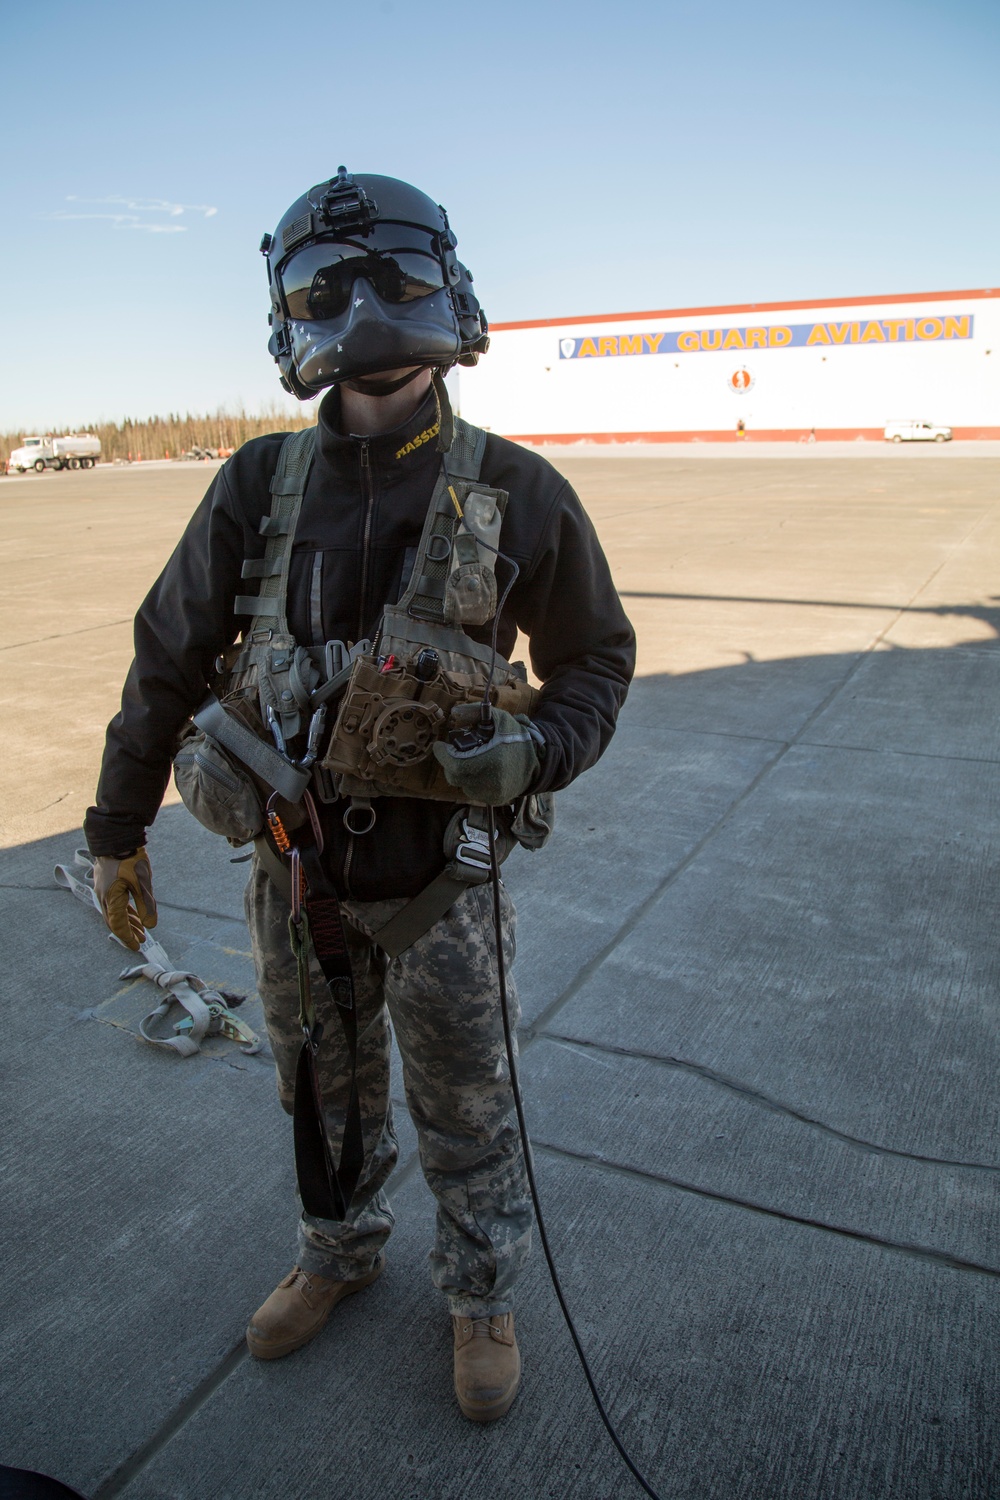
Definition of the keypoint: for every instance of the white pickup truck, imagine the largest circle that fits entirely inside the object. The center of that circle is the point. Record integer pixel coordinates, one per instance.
(77, 450)
(916, 432)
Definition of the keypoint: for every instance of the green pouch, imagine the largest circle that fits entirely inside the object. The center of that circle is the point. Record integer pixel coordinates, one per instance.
(534, 819)
(221, 795)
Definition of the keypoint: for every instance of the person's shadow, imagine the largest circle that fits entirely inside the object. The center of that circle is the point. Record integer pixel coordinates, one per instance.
(25, 1484)
(778, 883)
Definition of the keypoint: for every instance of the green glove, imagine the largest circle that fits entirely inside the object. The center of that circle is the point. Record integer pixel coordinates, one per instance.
(124, 887)
(497, 772)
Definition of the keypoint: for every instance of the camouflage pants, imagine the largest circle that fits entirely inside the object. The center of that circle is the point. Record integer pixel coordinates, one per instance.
(441, 996)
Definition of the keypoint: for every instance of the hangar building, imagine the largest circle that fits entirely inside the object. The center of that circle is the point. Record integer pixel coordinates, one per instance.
(838, 369)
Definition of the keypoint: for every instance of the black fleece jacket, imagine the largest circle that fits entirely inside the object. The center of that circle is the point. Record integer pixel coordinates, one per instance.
(361, 516)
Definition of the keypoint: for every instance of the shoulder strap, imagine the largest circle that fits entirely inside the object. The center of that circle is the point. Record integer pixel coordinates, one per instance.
(464, 458)
(269, 607)
(423, 597)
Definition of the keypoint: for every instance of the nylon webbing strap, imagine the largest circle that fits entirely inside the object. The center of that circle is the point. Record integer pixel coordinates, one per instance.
(442, 637)
(255, 753)
(424, 595)
(315, 1170)
(464, 458)
(269, 607)
(325, 1187)
(419, 915)
(277, 872)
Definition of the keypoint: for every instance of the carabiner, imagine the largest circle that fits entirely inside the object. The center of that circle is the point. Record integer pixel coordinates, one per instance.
(296, 886)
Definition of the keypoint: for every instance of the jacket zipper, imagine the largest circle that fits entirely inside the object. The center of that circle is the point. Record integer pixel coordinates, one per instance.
(368, 493)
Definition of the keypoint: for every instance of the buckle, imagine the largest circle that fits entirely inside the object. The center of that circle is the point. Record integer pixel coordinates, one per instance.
(473, 848)
(222, 1021)
(323, 788)
(336, 655)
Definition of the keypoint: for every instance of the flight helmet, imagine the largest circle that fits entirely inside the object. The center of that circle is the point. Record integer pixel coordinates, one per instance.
(364, 278)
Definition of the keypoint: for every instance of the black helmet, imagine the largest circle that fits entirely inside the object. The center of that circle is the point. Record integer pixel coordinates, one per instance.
(364, 278)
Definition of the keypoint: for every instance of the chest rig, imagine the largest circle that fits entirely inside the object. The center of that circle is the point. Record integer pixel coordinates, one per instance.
(420, 678)
(399, 694)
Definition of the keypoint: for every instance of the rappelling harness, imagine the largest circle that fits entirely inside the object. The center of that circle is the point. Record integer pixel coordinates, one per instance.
(420, 678)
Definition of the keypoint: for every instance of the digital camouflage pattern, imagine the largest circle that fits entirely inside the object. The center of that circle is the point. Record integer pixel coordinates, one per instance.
(442, 997)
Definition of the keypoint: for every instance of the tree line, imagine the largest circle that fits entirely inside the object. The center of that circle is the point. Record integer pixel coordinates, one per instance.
(136, 439)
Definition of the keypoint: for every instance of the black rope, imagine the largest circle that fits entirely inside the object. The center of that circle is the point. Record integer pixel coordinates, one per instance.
(496, 624)
(529, 1169)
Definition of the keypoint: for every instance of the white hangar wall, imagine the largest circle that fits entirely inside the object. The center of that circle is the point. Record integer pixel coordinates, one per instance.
(839, 369)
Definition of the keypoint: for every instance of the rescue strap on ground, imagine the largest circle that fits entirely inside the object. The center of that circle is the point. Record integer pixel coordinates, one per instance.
(206, 1011)
(209, 1011)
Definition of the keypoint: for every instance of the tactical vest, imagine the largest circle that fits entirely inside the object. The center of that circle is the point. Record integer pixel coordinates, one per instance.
(408, 687)
(401, 693)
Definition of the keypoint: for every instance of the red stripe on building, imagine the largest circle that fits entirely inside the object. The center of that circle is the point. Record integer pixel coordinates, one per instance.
(761, 435)
(753, 307)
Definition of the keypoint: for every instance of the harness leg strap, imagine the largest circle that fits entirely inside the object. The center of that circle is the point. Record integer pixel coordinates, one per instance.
(325, 1187)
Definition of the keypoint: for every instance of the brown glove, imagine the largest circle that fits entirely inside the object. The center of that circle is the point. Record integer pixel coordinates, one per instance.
(124, 888)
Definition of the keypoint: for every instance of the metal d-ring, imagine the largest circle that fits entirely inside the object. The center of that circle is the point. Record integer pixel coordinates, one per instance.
(359, 806)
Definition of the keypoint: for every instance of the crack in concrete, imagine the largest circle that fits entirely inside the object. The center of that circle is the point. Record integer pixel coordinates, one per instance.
(117, 1025)
(54, 803)
(122, 1477)
(242, 1062)
(64, 635)
(686, 730)
(192, 911)
(641, 505)
(19, 885)
(638, 1174)
(975, 760)
(585, 972)
(117, 1481)
(755, 1096)
(202, 911)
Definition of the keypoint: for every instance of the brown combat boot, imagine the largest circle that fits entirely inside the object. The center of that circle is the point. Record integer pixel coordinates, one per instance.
(297, 1309)
(487, 1366)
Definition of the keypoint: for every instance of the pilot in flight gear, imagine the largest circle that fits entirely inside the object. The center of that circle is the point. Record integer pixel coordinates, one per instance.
(325, 660)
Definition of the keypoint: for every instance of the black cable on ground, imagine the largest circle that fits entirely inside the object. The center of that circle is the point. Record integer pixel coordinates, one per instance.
(530, 1170)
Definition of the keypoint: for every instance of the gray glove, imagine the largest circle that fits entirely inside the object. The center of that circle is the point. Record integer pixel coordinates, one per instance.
(497, 771)
(124, 888)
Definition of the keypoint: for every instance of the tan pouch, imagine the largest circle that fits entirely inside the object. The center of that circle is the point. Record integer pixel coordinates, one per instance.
(221, 795)
(389, 721)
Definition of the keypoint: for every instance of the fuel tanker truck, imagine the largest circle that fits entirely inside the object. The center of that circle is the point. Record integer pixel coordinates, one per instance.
(77, 450)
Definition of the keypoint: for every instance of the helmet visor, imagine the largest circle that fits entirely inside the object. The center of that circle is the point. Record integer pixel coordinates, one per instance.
(399, 262)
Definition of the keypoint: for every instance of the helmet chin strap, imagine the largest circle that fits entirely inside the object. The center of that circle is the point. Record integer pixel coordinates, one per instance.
(367, 385)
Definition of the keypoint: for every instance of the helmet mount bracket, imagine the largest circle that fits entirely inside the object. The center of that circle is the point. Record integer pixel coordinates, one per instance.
(346, 206)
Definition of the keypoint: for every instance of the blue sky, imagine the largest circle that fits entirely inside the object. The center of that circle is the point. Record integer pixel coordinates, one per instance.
(592, 157)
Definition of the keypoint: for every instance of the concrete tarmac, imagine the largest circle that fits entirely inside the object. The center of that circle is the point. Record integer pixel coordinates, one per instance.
(759, 1052)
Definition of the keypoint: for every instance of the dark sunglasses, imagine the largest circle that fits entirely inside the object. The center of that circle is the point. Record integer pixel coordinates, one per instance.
(318, 280)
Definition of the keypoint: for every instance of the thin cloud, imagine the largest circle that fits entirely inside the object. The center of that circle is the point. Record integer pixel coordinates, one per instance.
(145, 214)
